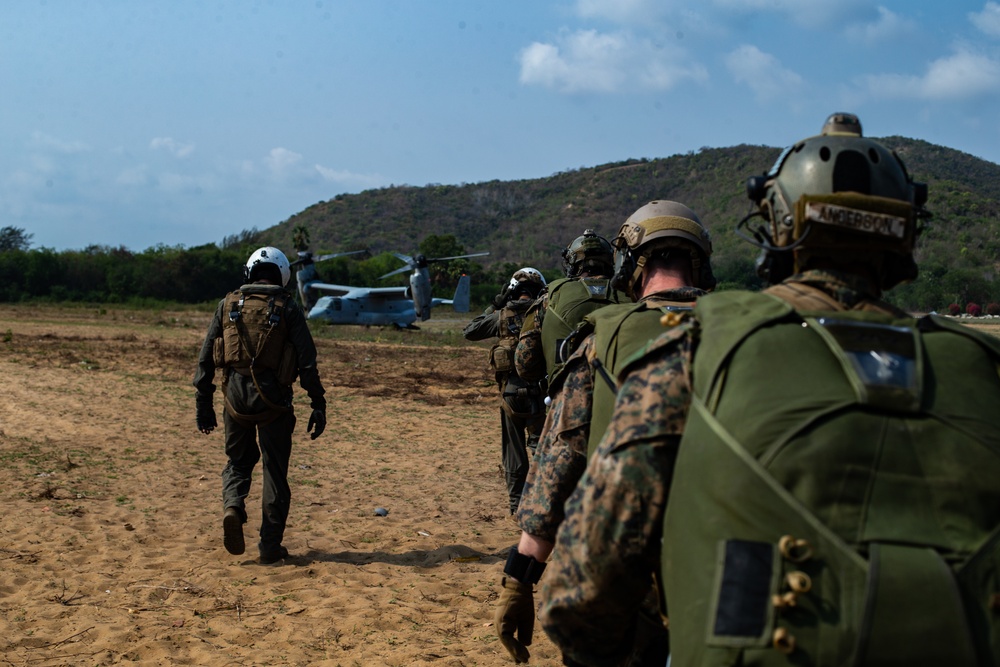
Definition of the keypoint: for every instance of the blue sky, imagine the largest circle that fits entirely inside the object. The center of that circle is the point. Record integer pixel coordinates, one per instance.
(140, 123)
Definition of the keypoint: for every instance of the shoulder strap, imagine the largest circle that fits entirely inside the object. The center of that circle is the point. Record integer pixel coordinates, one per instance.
(930, 322)
(727, 318)
(804, 297)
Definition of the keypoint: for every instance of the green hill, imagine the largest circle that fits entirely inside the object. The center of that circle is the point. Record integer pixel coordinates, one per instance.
(526, 222)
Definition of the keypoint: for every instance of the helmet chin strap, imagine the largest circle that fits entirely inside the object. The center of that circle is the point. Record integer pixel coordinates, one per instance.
(636, 282)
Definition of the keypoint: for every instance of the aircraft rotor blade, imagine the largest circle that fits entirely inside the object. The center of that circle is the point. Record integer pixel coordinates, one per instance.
(404, 269)
(322, 258)
(445, 259)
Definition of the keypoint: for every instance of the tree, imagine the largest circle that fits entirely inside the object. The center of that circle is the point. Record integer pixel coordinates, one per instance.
(14, 238)
(300, 238)
(248, 237)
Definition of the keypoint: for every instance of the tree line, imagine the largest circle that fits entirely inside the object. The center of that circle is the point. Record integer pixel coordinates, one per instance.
(201, 274)
(950, 278)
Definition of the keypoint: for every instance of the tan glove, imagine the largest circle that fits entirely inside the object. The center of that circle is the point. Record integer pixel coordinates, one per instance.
(515, 614)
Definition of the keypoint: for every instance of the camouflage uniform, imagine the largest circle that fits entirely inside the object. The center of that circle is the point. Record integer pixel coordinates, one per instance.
(608, 545)
(529, 356)
(535, 356)
(562, 450)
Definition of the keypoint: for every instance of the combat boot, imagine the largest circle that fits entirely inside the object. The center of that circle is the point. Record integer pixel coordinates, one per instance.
(271, 557)
(232, 531)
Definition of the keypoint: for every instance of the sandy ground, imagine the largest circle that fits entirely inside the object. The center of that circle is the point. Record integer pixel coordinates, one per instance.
(111, 542)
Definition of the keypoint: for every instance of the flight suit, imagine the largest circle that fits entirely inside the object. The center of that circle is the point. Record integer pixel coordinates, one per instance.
(258, 418)
(522, 407)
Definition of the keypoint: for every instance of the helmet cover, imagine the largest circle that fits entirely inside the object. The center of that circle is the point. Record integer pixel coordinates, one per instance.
(654, 229)
(267, 256)
(590, 252)
(526, 280)
(843, 197)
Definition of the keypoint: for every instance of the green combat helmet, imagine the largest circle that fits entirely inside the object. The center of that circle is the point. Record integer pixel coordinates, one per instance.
(841, 197)
(653, 229)
(589, 253)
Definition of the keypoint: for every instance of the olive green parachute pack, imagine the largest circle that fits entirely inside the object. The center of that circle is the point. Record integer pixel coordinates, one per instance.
(569, 299)
(255, 337)
(836, 496)
(619, 332)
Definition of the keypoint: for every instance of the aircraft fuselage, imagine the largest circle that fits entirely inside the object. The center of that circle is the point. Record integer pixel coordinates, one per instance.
(349, 310)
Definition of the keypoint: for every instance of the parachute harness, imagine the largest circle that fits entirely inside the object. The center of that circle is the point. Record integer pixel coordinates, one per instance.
(273, 319)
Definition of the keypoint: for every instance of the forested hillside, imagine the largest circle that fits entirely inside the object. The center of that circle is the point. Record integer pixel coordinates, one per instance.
(526, 222)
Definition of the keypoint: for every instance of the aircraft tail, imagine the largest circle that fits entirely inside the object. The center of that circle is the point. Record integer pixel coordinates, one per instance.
(462, 294)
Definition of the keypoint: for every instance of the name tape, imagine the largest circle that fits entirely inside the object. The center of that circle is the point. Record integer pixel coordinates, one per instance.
(851, 218)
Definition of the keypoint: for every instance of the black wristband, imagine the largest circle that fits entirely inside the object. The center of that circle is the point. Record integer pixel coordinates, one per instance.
(525, 569)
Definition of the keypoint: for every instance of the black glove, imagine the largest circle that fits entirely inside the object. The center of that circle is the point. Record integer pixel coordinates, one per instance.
(515, 614)
(317, 423)
(500, 299)
(205, 413)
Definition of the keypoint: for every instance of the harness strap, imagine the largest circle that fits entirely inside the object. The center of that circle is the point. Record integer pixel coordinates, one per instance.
(803, 297)
(603, 373)
(241, 330)
(259, 419)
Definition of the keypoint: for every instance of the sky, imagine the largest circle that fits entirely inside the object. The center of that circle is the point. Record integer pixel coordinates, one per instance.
(143, 123)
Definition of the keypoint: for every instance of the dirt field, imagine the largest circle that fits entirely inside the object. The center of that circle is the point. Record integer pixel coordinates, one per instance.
(110, 539)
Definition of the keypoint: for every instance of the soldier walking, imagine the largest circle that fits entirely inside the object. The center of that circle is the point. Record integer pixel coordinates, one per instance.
(259, 339)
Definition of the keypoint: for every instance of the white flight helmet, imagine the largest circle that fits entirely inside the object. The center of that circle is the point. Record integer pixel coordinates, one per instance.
(527, 273)
(268, 255)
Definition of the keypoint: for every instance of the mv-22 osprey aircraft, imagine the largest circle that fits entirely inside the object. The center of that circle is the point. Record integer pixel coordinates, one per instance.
(380, 306)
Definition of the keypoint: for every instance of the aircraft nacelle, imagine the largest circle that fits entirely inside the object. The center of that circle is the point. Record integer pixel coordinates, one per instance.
(420, 291)
(420, 283)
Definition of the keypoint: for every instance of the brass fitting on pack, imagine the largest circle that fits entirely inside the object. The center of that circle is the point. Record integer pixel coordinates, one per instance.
(782, 601)
(784, 641)
(799, 582)
(795, 550)
(671, 319)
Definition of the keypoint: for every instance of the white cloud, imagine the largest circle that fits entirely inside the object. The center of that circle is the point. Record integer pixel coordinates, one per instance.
(887, 26)
(175, 183)
(281, 160)
(588, 61)
(988, 20)
(621, 11)
(963, 75)
(678, 19)
(762, 72)
(346, 178)
(811, 13)
(175, 148)
(133, 176)
(42, 140)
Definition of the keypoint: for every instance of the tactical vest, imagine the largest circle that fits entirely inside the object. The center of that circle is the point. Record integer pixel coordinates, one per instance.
(836, 495)
(255, 333)
(510, 319)
(619, 332)
(569, 300)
